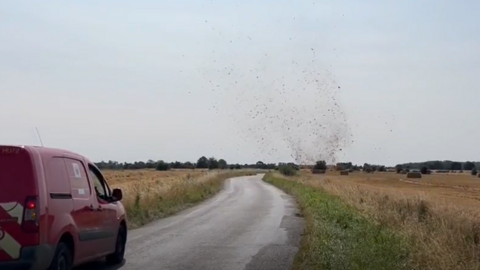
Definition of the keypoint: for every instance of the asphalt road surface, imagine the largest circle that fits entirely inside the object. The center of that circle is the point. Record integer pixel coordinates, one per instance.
(249, 225)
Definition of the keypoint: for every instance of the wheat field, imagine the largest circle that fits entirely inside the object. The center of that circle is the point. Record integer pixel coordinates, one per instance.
(150, 182)
(459, 189)
(439, 214)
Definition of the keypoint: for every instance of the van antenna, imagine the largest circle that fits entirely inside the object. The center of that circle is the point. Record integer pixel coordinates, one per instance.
(39, 137)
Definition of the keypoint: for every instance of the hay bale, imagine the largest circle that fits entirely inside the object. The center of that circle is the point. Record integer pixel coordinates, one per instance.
(317, 171)
(344, 172)
(414, 175)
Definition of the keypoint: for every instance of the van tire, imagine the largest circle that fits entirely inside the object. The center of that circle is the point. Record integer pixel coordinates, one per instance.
(62, 259)
(117, 256)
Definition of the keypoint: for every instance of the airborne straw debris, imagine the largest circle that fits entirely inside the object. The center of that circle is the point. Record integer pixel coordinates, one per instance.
(284, 101)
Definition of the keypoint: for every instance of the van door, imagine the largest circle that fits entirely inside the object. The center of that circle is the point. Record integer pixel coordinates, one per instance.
(85, 214)
(19, 215)
(107, 210)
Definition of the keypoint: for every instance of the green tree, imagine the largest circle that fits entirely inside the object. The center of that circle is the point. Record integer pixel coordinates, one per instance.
(176, 165)
(222, 164)
(212, 163)
(343, 166)
(437, 165)
(188, 165)
(456, 166)
(162, 166)
(202, 163)
(320, 165)
(287, 170)
(468, 166)
(367, 167)
(260, 165)
(150, 164)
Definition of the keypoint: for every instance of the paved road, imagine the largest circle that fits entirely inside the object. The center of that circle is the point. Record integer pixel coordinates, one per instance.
(249, 225)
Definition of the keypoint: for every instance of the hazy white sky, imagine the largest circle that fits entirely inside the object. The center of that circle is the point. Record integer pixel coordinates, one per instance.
(138, 80)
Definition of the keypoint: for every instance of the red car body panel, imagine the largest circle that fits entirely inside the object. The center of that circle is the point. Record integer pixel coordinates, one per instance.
(48, 195)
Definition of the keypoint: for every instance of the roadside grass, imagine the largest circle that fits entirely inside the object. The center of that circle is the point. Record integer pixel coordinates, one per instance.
(338, 236)
(147, 201)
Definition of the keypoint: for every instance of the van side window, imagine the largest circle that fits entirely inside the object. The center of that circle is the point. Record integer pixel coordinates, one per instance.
(99, 183)
(58, 179)
(78, 178)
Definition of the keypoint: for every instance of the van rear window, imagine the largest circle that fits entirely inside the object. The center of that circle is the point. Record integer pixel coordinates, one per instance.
(17, 180)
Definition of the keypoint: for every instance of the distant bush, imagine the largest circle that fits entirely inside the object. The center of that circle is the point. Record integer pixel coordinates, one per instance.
(287, 170)
(474, 171)
(162, 166)
(320, 165)
(425, 170)
(294, 166)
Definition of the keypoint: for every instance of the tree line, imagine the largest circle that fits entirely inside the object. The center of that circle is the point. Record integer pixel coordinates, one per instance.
(430, 165)
(202, 163)
(213, 163)
(441, 165)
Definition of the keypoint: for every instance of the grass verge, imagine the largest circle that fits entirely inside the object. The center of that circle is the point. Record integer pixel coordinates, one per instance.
(338, 236)
(149, 203)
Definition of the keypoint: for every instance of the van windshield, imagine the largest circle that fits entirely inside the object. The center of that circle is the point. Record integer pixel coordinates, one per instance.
(16, 175)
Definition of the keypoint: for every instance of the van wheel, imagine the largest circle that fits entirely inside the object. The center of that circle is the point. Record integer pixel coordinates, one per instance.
(117, 256)
(62, 259)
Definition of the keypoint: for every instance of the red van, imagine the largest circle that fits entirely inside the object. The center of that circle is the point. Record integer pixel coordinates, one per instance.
(56, 211)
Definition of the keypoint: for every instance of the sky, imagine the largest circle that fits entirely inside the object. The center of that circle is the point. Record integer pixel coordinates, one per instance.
(380, 82)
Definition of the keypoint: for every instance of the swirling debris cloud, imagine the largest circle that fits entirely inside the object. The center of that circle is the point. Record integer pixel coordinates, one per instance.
(283, 102)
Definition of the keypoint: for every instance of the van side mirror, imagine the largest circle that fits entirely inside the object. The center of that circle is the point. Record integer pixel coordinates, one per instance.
(117, 194)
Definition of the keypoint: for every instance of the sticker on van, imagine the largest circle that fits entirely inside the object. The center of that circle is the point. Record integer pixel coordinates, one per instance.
(76, 170)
